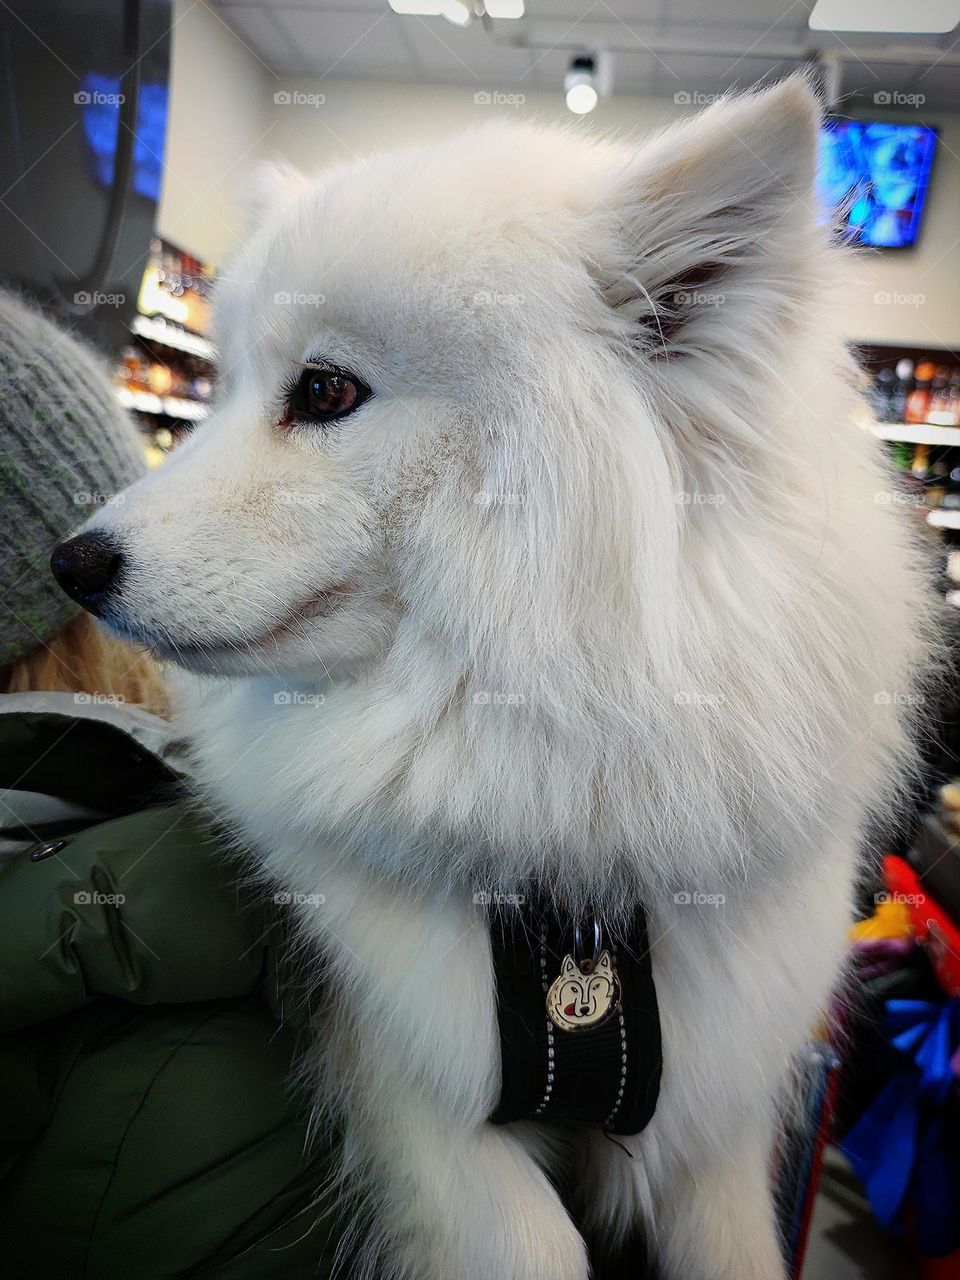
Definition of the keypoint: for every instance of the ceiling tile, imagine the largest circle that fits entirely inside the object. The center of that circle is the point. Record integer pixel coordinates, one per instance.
(466, 56)
(347, 44)
(658, 46)
(261, 33)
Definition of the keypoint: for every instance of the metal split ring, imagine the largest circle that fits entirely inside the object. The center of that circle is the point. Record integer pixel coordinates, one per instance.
(587, 966)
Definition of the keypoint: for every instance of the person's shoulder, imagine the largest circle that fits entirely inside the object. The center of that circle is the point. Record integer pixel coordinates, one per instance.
(87, 750)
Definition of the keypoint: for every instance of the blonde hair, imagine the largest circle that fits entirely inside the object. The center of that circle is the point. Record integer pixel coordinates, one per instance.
(84, 658)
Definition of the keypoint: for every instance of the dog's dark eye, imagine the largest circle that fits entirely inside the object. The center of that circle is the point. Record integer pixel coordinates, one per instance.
(323, 395)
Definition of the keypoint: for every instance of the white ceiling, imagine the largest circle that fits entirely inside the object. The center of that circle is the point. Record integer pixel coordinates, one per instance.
(659, 46)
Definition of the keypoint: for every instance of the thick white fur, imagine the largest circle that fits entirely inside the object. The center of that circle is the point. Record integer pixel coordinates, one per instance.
(648, 535)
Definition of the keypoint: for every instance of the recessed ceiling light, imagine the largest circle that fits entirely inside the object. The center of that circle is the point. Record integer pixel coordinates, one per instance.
(457, 12)
(919, 17)
(422, 8)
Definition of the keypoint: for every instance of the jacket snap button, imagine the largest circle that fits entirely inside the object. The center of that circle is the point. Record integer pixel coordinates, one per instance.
(47, 850)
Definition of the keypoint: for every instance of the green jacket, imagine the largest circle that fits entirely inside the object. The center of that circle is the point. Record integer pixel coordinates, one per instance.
(148, 1127)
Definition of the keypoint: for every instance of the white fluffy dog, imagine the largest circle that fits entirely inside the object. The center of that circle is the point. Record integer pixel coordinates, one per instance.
(537, 544)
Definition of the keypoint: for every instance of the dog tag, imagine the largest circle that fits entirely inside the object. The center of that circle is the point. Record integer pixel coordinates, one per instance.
(583, 997)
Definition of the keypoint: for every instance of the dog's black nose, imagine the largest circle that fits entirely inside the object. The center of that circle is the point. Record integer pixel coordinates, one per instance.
(88, 568)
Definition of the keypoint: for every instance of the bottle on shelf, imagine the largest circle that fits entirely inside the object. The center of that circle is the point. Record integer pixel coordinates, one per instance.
(939, 394)
(881, 396)
(944, 408)
(901, 390)
(918, 400)
(921, 460)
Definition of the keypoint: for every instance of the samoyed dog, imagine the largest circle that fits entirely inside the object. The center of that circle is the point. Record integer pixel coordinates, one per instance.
(532, 542)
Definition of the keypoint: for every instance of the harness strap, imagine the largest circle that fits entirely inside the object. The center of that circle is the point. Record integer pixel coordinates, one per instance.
(579, 1034)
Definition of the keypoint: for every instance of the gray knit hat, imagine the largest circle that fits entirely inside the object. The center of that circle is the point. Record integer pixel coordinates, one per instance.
(66, 446)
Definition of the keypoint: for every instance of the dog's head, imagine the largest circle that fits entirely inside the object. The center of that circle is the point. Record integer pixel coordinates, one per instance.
(447, 382)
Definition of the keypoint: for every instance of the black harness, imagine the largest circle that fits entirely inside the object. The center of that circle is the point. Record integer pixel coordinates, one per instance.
(578, 1018)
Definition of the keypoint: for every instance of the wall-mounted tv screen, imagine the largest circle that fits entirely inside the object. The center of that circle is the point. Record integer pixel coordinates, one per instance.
(880, 172)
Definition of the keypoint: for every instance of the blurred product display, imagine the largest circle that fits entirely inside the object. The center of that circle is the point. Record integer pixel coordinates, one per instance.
(166, 372)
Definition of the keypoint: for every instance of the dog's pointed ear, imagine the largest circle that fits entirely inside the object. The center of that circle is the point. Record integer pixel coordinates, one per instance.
(712, 226)
(569, 968)
(273, 186)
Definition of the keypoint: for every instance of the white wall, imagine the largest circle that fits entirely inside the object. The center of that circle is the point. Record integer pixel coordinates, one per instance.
(219, 94)
(912, 296)
(222, 98)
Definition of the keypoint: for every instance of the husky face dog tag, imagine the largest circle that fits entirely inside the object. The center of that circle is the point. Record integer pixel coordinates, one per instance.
(582, 997)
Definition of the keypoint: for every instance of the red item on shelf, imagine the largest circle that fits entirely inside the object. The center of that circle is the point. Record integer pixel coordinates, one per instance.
(930, 923)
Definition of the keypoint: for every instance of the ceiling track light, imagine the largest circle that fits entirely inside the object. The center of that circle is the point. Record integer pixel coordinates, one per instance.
(587, 80)
(459, 12)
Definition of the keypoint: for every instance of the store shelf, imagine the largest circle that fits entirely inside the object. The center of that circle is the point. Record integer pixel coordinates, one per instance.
(191, 410)
(143, 401)
(171, 406)
(156, 329)
(942, 518)
(916, 433)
